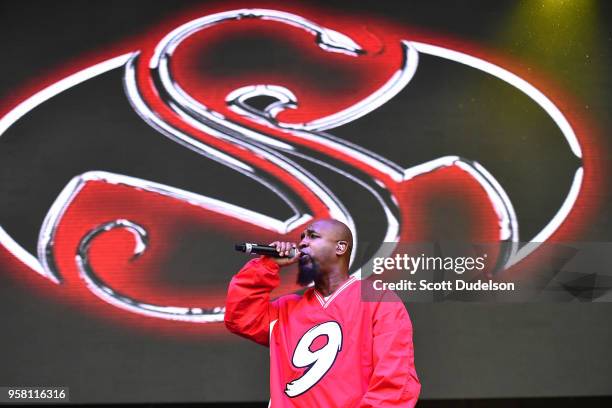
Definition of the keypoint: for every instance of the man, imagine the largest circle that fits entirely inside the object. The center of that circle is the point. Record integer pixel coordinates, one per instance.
(328, 347)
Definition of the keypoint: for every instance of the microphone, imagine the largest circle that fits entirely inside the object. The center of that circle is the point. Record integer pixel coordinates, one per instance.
(266, 250)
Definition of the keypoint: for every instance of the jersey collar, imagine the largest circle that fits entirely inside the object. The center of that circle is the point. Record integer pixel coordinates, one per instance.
(327, 302)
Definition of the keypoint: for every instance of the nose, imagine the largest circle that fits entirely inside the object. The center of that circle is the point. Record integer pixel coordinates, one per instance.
(303, 243)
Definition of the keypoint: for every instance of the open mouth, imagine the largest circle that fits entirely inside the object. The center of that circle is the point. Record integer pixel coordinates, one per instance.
(305, 258)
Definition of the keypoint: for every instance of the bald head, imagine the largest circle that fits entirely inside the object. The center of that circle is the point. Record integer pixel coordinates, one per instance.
(337, 231)
(325, 247)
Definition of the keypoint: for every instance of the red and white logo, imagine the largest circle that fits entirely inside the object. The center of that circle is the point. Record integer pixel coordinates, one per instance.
(248, 124)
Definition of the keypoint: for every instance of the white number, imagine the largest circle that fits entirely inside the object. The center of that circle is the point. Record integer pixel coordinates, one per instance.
(319, 361)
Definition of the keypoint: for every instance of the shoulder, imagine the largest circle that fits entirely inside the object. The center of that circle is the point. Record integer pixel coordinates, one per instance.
(369, 295)
(287, 300)
(373, 300)
(387, 302)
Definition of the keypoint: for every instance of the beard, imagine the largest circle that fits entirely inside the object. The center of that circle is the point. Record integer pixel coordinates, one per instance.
(308, 271)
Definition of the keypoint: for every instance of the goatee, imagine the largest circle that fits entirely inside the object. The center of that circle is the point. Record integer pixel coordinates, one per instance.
(308, 270)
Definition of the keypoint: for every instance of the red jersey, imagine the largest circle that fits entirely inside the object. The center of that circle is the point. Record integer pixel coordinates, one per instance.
(334, 352)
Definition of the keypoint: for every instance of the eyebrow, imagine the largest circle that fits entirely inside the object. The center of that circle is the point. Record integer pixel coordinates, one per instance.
(309, 231)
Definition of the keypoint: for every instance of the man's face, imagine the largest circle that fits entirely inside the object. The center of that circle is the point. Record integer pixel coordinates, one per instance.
(318, 248)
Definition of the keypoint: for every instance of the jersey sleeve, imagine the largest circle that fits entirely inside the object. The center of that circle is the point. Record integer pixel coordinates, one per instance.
(248, 310)
(394, 382)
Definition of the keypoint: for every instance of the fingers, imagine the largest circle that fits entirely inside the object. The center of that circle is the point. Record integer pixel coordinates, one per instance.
(284, 248)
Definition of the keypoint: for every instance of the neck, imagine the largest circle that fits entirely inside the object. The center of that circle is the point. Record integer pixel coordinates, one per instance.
(331, 281)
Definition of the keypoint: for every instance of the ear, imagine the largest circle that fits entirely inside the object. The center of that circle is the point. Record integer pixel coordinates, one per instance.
(341, 247)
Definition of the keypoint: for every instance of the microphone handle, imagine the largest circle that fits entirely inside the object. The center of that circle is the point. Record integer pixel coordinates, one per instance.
(266, 250)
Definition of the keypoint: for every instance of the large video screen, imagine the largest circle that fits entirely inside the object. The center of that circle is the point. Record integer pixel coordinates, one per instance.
(139, 141)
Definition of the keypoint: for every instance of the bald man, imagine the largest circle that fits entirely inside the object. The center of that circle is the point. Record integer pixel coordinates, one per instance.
(328, 347)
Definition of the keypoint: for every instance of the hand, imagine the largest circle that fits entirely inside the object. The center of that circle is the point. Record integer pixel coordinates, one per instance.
(283, 248)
